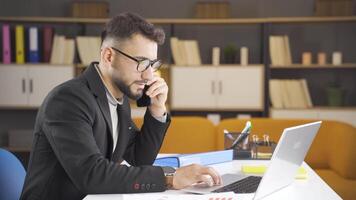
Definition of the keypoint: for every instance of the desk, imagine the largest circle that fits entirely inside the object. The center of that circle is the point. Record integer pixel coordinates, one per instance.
(311, 188)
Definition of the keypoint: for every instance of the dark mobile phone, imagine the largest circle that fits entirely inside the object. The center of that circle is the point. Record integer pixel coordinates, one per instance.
(145, 100)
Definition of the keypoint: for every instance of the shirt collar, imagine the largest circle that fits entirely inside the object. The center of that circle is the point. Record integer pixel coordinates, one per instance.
(112, 100)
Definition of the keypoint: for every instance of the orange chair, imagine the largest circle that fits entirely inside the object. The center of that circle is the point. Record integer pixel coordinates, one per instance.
(187, 135)
(332, 154)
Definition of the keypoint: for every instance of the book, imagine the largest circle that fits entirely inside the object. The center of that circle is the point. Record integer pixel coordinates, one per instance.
(47, 43)
(261, 169)
(33, 50)
(6, 44)
(20, 45)
(88, 49)
(206, 158)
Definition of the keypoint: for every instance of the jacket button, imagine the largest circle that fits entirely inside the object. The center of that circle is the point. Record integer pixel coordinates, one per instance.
(148, 186)
(143, 186)
(136, 186)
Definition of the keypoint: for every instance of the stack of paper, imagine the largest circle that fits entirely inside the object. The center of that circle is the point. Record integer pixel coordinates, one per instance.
(185, 52)
(280, 52)
(62, 50)
(88, 48)
(289, 93)
(165, 196)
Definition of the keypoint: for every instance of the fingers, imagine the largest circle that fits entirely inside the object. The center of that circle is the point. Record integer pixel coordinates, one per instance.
(158, 86)
(214, 175)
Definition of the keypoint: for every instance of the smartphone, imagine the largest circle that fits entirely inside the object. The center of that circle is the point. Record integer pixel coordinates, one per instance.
(145, 100)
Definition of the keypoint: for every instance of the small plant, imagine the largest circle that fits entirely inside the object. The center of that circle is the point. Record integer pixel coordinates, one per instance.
(230, 53)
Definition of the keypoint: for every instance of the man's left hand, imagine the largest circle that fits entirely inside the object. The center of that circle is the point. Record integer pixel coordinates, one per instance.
(158, 92)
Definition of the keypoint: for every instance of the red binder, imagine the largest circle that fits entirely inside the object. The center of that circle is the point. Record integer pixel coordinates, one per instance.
(47, 43)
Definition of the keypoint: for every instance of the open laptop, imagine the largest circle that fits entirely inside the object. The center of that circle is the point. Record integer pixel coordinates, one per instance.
(288, 156)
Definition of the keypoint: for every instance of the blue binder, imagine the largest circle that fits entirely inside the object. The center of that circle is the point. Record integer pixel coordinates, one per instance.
(207, 158)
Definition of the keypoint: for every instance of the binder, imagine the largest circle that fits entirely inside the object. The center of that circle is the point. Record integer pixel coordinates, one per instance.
(207, 158)
(47, 43)
(19, 33)
(6, 44)
(33, 51)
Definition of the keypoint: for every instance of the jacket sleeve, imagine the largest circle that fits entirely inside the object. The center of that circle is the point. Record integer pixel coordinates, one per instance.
(144, 147)
(67, 124)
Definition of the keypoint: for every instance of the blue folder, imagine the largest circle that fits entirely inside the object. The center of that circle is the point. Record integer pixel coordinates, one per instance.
(207, 158)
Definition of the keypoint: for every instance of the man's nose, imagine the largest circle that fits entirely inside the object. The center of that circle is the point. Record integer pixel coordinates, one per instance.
(147, 74)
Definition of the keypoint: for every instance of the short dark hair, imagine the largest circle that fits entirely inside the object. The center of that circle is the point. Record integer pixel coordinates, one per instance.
(124, 25)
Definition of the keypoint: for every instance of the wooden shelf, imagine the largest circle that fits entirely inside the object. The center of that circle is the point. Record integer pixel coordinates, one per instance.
(221, 65)
(184, 21)
(316, 66)
(317, 108)
(38, 65)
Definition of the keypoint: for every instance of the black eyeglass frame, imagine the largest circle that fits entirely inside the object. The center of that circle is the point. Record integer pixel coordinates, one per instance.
(139, 61)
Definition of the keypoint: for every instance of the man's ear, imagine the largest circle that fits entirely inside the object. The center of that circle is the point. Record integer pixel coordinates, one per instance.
(107, 55)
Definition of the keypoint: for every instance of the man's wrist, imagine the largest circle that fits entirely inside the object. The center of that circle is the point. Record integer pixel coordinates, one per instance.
(169, 176)
(158, 111)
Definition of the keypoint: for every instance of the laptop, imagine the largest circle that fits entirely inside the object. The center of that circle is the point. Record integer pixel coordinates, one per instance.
(288, 156)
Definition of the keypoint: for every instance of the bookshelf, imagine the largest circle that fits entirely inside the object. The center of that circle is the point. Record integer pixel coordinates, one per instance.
(176, 21)
(263, 28)
(315, 66)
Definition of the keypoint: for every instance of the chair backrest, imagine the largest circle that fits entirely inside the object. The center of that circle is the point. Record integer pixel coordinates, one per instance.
(188, 135)
(12, 176)
(333, 146)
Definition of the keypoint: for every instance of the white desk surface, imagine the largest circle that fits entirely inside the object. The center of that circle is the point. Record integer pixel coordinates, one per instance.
(311, 188)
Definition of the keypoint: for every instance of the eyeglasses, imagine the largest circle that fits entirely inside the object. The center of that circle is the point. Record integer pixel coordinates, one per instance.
(143, 63)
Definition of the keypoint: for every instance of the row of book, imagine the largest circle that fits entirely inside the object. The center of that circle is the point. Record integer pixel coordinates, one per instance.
(35, 45)
(280, 52)
(185, 52)
(212, 9)
(63, 50)
(20, 44)
(289, 93)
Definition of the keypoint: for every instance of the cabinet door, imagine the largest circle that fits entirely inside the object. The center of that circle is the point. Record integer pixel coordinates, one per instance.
(240, 88)
(13, 86)
(193, 88)
(343, 115)
(42, 79)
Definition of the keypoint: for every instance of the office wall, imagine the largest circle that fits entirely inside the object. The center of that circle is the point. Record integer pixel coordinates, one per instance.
(333, 38)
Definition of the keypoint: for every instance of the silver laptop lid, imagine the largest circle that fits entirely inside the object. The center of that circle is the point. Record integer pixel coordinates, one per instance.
(287, 158)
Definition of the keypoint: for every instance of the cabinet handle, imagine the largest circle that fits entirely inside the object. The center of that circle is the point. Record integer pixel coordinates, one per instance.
(31, 86)
(23, 85)
(213, 87)
(220, 87)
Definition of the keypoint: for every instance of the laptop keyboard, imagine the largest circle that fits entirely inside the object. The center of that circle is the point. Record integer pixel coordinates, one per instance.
(246, 185)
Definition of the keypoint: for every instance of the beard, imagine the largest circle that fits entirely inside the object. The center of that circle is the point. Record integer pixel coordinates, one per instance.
(125, 88)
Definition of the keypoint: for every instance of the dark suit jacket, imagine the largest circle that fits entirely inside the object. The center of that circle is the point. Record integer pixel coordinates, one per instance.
(72, 149)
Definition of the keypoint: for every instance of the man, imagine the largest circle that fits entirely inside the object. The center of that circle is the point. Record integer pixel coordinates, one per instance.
(84, 128)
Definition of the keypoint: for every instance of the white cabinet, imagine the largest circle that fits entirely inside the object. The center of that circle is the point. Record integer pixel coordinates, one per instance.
(217, 88)
(28, 85)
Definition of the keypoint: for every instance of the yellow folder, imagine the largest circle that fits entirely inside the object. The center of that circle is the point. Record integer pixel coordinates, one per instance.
(20, 49)
(261, 169)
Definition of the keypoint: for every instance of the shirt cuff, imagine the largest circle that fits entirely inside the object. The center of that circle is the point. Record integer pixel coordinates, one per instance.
(162, 119)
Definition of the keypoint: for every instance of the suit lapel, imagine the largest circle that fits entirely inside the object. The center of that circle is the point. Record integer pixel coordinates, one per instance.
(98, 89)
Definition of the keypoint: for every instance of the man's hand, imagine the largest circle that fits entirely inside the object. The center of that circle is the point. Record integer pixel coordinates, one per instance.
(188, 175)
(158, 92)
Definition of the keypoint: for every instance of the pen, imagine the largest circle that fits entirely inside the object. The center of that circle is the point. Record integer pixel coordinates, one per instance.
(227, 134)
(244, 133)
